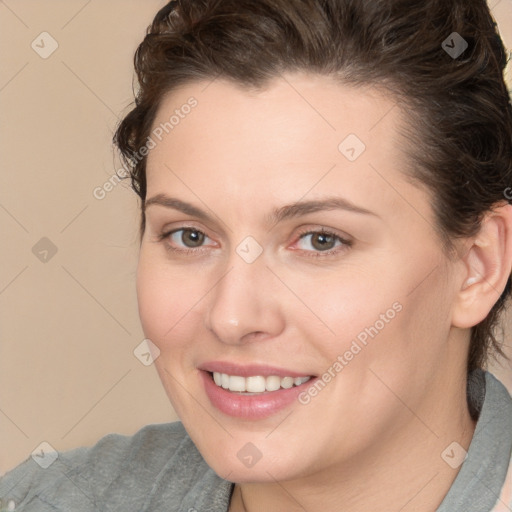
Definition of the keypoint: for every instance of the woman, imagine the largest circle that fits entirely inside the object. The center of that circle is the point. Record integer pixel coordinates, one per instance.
(326, 246)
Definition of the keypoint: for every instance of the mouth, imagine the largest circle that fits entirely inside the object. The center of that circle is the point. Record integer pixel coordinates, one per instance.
(252, 392)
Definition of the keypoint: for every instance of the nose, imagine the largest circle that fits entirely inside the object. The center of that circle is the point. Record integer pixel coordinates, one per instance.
(244, 306)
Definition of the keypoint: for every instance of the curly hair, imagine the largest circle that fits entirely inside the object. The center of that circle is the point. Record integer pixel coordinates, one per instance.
(457, 104)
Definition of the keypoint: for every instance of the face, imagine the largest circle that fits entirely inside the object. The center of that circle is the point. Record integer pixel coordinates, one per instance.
(278, 247)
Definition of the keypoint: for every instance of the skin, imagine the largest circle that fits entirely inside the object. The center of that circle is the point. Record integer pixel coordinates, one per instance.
(372, 438)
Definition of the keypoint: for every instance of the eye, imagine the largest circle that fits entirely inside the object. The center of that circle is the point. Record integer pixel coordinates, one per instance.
(322, 242)
(186, 239)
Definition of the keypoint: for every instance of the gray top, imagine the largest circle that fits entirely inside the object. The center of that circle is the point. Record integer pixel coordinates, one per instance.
(160, 469)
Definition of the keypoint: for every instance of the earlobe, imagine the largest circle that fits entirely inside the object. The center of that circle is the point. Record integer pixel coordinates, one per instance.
(487, 267)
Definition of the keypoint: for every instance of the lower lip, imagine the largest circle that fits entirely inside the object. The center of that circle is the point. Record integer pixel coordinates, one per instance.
(251, 407)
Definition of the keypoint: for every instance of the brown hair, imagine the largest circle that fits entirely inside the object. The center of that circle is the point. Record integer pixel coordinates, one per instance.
(459, 111)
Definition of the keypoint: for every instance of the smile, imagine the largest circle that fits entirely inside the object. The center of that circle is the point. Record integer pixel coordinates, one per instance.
(252, 392)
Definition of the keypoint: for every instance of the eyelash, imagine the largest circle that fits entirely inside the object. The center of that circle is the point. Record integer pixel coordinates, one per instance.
(346, 244)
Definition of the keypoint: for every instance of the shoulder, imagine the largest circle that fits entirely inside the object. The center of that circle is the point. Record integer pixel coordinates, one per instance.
(117, 470)
(504, 503)
(483, 480)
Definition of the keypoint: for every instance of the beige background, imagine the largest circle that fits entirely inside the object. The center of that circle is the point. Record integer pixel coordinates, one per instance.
(69, 325)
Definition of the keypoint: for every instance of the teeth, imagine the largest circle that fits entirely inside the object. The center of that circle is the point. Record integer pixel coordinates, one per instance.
(253, 384)
(256, 384)
(237, 383)
(272, 383)
(287, 382)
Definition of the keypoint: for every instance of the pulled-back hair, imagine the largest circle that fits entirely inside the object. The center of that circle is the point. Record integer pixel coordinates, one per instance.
(457, 104)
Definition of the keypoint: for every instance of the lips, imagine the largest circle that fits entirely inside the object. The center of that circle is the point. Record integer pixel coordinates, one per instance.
(252, 405)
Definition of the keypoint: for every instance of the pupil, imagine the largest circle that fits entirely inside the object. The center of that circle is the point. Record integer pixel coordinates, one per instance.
(192, 238)
(325, 241)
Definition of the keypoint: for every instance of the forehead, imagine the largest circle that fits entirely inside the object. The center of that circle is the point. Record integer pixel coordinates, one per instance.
(300, 135)
(295, 108)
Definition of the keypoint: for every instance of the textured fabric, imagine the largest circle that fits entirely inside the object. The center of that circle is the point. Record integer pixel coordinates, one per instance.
(157, 469)
(160, 469)
(480, 484)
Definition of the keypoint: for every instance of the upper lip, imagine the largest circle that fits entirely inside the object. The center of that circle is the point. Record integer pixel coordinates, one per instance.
(249, 370)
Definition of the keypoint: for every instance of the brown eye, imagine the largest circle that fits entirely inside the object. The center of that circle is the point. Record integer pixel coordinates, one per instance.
(319, 240)
(184, 239)
(192, 237)
(323, 241)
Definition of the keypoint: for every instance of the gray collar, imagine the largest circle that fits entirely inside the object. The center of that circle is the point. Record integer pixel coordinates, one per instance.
(478, 485)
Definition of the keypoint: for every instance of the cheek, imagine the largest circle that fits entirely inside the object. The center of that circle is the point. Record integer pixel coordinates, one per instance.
(155, 300)
(387, 317)
(166, 297)
(344, 306)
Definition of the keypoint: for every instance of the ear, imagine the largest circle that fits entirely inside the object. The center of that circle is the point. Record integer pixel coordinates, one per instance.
(486, 267)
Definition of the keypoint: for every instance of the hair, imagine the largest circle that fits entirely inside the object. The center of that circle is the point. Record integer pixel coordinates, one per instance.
(458, 106)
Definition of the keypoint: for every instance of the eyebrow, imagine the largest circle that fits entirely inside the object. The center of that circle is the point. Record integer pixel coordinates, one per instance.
(277, 215)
